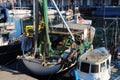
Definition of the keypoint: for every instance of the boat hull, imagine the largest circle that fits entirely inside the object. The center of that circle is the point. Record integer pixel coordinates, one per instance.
(39, 69)
(36, 66)
(9, 53)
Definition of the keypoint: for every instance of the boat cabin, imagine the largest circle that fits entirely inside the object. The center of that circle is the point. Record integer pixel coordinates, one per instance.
(95, 65)
(75, 29)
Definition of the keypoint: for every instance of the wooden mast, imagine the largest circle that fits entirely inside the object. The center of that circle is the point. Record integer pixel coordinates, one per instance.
(36, 20)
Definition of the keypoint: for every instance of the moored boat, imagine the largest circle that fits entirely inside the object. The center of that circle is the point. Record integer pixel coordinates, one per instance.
(9, 47)
(96, 64)
(57, 47)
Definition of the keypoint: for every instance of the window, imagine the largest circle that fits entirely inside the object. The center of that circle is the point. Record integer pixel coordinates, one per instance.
(94, 68)
(85, 67)
(102, 66)
(108, 63)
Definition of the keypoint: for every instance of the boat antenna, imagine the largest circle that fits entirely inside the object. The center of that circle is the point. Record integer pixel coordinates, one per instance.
(63, 20)
(104, 29)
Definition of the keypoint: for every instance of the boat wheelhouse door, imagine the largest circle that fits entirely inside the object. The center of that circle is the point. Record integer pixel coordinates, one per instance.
(105, 70)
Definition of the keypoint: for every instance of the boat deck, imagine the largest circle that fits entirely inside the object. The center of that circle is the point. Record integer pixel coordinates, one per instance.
(75, 28)
(73, 25)
(8, 74)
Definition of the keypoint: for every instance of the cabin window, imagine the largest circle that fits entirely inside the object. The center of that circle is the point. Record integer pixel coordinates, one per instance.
(5, 37)
(102, 66)
(108, 63)
(94, 68)
(85, 67)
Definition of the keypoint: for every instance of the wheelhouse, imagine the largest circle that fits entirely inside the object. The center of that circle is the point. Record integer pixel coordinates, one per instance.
(95, 65)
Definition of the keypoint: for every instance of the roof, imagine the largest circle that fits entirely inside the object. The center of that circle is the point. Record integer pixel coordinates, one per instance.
(94, 56)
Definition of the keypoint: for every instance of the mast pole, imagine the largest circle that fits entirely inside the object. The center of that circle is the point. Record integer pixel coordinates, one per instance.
(20, 4)
(62, 5)
(36, 20)
(13, 5)
(105, 38)
(116, 32)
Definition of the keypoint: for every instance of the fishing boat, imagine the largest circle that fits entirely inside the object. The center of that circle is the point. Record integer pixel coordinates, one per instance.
(95, 65)
(57, 47)
(9, 46)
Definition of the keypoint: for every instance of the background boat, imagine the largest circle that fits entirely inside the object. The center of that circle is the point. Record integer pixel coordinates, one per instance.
(93, 65)
(9, 46)
(19, 12)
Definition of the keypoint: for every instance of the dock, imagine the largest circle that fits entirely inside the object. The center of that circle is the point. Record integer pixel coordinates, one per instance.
(9, 74)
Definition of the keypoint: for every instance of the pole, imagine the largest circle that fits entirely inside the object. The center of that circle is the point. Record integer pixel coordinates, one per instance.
(116, 19)
(20, 4)
(62, 5)
(105, 37)
(116, 32)
(35, 19)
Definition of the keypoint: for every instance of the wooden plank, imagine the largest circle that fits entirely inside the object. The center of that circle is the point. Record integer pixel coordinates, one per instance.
(59, 33)
(73, 26)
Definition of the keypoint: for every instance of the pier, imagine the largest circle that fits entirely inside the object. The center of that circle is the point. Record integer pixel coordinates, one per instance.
(8, 74)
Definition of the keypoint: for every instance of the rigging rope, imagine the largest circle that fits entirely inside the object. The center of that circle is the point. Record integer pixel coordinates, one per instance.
(45, 7)
(60, 51)
(50, 50)
(63, 47)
